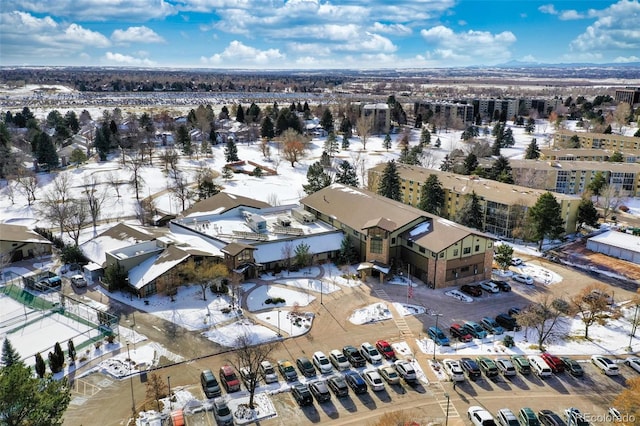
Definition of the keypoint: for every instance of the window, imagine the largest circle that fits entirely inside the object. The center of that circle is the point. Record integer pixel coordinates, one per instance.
(393, 241)
(421, 249)
(376, 245)
(409, 243)
(442, 255)
(464, 269)
(477, 247)
(455, 252)
(466, 250)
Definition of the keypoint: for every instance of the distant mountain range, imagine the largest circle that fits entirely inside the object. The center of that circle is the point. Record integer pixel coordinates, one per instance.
(519, 64)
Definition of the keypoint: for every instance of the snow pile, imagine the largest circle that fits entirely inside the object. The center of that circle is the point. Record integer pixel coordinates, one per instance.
(372, 313)
(242, 414)
(404, 309)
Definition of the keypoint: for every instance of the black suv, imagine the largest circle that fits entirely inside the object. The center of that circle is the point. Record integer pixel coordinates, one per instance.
(354, 356)
(470, 368)
(355, 381)
(305, 367)
(301, 394)
(338, 385)
(507, 322)
(320, 391)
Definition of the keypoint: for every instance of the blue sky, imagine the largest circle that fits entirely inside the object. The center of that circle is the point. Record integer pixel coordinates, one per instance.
(316, 34)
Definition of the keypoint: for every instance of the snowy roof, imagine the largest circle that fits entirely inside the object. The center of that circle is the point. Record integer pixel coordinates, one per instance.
(220, 203)
(22, 234)
(618, 239)
(272, 251)
(119, 236)
(234, 249)
(155, 266)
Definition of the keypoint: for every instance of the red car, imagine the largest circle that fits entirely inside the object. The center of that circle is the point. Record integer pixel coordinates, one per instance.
(385, 349)
(457, 332)
(555, 363)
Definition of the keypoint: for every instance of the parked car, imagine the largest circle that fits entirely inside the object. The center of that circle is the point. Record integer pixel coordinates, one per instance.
(491, 326)
(524, 279)
(574, 417)
(301, 394)
(505, 417)
(633, 362)
(406, 370)
(549, 418)
(210, 385)
(354, 356)
(355, 382)
(229, 379)
(386, 350)
(268, 373)
(502, 285)
(338, 385)
(248, 377)
(438, 336)
(507, 322)
(527, 417)
(605, 364)
(338, 360)
(487, 366)
(471, 290)
(506, 367)
(572, 366)
(470, 368)
(221, 412)
(453, 370)
(490, 287)
(521, 363)
(514, 311)
(370, 353)
(556, 364)
(478, 416)
(320, 391)
(322, 363)
(305, 366)
(287, 371)
(516, 261)
(374, 380)
(459, 333)
(78, 280)
(475, 329)
(389, 374)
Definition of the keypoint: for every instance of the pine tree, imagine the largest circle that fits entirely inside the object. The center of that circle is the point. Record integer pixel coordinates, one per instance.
(347, 253)
(587, 214)
(470, 163)
(213, 136)
(597, 184)
(240, 114)
(425, 137)
(389, 185)
(266, 129)
(386, 143)
(471, 212)
(608, 130)
(227, 173)
(346, 174)
(531, 125)
(71, 350)
(501, 170)
(438, 143)
(533, 151)
(495, 148)
(316, 178)
(432, 196)
(331, 145)
(546, 218)
(326, 122)
(508, 140)
(447, 164)
(231, 152)
(40, 365)
(346, 127)
(345, 142)
(45, 151)
(9, 354)
(57, 351)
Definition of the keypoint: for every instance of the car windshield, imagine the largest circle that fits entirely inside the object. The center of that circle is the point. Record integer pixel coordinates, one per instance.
(223, 410)
(323, 361)
(288, 368)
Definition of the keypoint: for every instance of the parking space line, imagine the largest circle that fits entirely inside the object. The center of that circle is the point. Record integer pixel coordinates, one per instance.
(401, 324)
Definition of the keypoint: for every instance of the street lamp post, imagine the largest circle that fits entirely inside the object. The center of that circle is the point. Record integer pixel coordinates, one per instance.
(434, 342)
(446, 420)
(634, 326)
(169, 382)
(133, 401)
(321, 292)
(279, 334)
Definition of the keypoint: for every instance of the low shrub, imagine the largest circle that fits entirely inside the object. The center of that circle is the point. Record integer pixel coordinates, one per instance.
(274, 300)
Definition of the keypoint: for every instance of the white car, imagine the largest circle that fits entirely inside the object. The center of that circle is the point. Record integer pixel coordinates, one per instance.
(525, 279)
(78, 280)
(374, 380)
(338, 360)
(605, 364)
(490, 287)
(516, 261)
(633, 362)
(268, 373)
(453, 369)
(405, 370)
(370, 353)
(506, 367)
(322, 363)
(480, 417)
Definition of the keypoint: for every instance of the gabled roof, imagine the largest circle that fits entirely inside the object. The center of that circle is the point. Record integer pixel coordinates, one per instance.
(155, 266)
(20, 234)
(380, 222)
(222, 202)
(116, 237)
(234, 249)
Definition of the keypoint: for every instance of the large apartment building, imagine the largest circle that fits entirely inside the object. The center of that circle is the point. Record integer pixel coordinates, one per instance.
(584, 154)
(610, 142)
(503, 204)
(630, 95)
(573, 177)
(461, 109)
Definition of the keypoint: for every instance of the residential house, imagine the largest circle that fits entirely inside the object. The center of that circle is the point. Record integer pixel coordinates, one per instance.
(19, 242)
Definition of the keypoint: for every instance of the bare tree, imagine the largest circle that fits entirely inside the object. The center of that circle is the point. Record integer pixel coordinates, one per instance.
(287, 253)
(145, 210)
(265, 148)
(77, 217)
(621, 115)
(180, 188)
(293, 146)
(114, 182)
(249, 356)
(610, 200)
(94, 198)
(28, 184)
(273, 199)
(543, 317)
(136, 180)
(56, 202)
(363, 126)
(156, 389)
(169, 159)
(593, 305)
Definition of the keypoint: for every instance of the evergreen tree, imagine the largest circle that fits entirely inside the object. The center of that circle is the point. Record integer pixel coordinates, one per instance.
(495, 148)
(637, 133)
(40, 366)
(346, 127)
(331, 146)
(227, 173)
(71, 350)
(470, 163)
(501, 170)
(608, 130)
(45, 152)
(347, 253)
(447, 164)
(266, 129)
(432, 196)
(574, 142)
(425, 136)
(325, 160)
(587, 214)
(326, 122)
(316, 178)
(302, 254)
(345, 142)
(508, 140)
(438, 143)
(386, 143)
(597, 184)
(533, 151)
(54, 365)
(346, 174)
(616, 157)
(224, 113)
(389, 185)
(205, 148)
(9, 354)
(531, 125)
(253, 113)
(59, 355)
(471, 212)
(183, 140)
(231, 151)
(240, 114)
(546, 218)
(213, 136)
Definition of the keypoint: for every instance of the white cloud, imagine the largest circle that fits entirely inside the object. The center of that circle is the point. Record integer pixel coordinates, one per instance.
(616, 28)
(548, 9)
(470, 46)
(570, 15)
(136, 35)
(120, 59)
(96, 10)
(625, 60)
(239, 54)
(395, 29)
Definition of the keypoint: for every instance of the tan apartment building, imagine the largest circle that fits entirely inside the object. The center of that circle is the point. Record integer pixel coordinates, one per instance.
(584, 154)
(503, 204)
(611, 142)
(390, 235)
(573, 177)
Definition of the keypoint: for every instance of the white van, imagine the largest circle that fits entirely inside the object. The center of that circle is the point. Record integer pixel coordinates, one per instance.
(540, 367)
